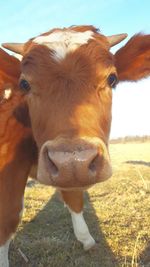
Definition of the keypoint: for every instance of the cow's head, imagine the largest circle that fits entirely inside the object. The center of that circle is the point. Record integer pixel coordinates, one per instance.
(68, 76)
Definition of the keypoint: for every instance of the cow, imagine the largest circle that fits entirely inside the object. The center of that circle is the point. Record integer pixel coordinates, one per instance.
(55, 112)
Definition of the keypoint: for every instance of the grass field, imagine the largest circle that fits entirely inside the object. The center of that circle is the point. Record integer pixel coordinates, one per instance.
(117, 213)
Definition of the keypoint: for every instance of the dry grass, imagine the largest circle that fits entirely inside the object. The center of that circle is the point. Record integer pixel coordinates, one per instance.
(117, 213)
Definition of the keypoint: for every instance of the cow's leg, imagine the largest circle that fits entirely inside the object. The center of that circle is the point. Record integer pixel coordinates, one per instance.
(13, 177)
(74, 201)
(11, 207)
(4, 254)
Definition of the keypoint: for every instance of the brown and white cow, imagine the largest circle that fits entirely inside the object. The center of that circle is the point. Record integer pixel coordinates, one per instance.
(61, 111)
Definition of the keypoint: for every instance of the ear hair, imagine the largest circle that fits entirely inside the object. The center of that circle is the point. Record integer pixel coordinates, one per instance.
(133, 60)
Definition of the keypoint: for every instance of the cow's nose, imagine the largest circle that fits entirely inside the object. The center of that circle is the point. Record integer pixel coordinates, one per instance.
(76, 163)
(86, 159)
(79, 166)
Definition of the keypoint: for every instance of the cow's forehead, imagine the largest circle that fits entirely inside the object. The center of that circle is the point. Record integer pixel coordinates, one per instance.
(67, 37)
(64, 41)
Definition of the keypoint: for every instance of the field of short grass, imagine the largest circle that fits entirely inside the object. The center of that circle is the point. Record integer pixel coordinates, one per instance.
(117, 213)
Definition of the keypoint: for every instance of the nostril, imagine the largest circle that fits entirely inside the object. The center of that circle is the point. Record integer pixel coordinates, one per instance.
(95, 164)
(51, 165)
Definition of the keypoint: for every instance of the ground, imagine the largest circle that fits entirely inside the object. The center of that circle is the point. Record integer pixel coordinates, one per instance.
(117, 213)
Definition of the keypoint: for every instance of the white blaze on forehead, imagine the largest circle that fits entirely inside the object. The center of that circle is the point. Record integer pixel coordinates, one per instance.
(63, 42)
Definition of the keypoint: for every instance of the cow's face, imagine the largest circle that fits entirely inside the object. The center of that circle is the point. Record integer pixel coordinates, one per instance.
(68, 76)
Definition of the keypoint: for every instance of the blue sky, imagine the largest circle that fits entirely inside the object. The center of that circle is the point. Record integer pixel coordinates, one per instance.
(22, 19)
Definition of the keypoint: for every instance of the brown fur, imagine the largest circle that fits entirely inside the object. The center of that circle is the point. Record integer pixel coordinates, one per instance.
(77, 72)
(133, 60)
(16, 149)
(74, 200)
(72, 97)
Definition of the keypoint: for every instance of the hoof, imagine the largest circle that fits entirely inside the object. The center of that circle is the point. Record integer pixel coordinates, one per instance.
(94, 250)
(89, 245)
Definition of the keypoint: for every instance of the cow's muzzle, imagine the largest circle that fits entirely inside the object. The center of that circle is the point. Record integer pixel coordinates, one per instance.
(73, 164)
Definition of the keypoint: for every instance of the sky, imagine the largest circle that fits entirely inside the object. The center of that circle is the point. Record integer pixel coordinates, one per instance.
(22, 19)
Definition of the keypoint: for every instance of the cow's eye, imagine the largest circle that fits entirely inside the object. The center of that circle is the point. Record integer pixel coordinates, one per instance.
(112, 80)
(24, 86)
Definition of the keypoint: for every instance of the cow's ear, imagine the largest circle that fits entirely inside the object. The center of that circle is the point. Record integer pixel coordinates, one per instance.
(133, 60)
(9, 67)
(9, 76)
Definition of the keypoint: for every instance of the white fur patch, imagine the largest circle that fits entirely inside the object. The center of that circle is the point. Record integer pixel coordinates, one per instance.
(7, 93)
(63, 42)
(18, 56)
(4, 254)
(81, 230)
